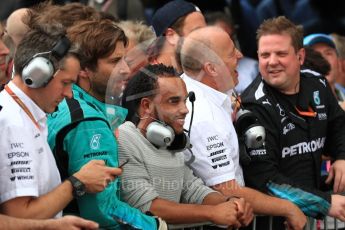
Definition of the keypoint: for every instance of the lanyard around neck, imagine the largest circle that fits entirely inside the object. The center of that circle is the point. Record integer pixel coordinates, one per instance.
(22, 105)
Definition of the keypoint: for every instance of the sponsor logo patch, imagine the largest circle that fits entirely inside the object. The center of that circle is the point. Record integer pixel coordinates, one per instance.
(17, 145)
(322, 116)
(94, 143)
(257, 152)
(19, 163)
(323, 81)
(266, 102)
(281, 110)
(287, 128)
(303, 147)
(316, 96)
(97, 154)
(20, 170)
(17, 154)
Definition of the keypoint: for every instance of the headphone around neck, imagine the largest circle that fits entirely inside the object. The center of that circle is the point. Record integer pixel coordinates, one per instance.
(162, 135)
(39, 69)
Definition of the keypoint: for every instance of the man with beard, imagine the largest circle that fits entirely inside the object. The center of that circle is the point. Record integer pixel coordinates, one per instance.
(82, 129)
(156, 178)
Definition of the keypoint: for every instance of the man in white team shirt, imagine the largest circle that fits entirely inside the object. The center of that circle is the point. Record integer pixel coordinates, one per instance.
(30, 181)
(209, 60)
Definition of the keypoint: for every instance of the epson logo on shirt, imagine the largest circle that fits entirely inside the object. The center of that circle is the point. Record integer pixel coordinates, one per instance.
(17, 154)
(303, 147)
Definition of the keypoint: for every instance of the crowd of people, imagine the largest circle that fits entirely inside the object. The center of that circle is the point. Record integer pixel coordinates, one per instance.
(117, 124)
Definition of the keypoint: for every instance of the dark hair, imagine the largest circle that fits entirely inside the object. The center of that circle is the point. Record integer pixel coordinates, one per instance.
(178, 25)
(144, 84)
(282, 25)
(109, 16)
(38, 40)
(96, 39)
(67, 15)
(315, 61)
(218, 16)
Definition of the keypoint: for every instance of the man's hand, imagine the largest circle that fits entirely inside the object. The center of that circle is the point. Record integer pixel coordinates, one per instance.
(70, 223)
(337, 209)
(226, 214)
(244, 211)
(96, 176)
(337, 172)
(296, 220)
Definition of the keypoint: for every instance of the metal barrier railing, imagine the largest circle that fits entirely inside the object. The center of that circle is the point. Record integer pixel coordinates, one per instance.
(328, 223)
(197, 226)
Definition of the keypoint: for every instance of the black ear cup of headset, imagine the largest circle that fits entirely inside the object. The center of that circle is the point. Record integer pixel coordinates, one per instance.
(180, 143)
(248, 128)
(39, 70)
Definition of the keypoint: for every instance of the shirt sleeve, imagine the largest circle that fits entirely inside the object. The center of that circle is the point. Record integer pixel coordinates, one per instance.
(194, 190)
(18, 164)
(137, 189)
(93, 140)
(212, 151)
(263, 173)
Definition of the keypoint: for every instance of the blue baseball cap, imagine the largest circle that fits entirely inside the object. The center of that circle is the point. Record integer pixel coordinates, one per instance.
(313, 39)
(168, 14)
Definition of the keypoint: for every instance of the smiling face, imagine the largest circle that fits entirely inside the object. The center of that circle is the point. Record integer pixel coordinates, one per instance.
(279, 63)
(49, 97)
(169, 105)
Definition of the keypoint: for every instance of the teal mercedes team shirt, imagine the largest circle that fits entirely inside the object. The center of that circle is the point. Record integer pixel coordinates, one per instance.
(93, 138)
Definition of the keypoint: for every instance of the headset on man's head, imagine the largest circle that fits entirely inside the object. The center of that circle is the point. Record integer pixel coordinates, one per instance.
(39, 69)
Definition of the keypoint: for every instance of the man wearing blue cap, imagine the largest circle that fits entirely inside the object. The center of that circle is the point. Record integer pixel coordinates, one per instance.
(339, 42)
(325, 45)
(170, 22)
(302, 120)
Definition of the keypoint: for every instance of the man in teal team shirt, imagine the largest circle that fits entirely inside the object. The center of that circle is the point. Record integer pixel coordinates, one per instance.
(82, 128)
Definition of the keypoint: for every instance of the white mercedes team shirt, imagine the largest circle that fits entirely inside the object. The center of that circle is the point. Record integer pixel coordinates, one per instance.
(27, 165)
(213, 136)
